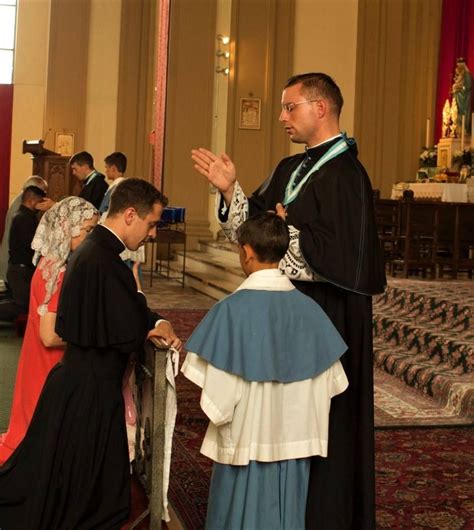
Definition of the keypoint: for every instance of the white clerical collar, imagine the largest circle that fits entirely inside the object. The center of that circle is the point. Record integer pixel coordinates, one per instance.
(90, 177)
(267, 280)
(325, 141)
(119, 238)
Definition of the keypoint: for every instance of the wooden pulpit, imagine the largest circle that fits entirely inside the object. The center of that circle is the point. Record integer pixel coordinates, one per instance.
(54, 168)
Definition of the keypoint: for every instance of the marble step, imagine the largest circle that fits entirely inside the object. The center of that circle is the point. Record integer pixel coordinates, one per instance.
(213, 270)
(220, 249)
(204, 282)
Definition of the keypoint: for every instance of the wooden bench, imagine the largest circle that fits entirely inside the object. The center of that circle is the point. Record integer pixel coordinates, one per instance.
(427, 237)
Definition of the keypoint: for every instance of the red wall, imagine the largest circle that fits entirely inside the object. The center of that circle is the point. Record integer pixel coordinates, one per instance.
(6, 107)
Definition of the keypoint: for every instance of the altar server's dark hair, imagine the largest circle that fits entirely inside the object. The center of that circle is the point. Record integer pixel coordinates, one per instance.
(135, 193)
(267, 234)
(318, 84)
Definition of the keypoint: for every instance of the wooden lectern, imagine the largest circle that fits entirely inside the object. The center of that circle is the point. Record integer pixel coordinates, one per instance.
(53, 168)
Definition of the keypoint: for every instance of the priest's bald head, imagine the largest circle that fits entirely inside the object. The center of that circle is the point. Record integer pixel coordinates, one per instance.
(135, 209)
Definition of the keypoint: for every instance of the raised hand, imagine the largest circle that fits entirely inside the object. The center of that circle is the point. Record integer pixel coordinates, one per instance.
(219, 170)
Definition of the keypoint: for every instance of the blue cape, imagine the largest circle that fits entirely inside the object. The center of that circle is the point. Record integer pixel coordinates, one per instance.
(258, 335)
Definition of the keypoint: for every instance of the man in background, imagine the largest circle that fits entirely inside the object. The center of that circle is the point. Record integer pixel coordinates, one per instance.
(40, 183)
(20, 259)
(115, 167)
(93, 182)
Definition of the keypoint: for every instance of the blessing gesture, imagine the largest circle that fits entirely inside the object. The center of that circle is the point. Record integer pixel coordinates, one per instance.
(219, 170)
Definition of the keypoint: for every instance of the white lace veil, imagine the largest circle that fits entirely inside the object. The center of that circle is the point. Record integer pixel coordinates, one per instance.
(52, 240)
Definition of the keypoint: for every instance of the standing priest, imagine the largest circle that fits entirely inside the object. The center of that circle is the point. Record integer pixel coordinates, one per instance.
(334, 257)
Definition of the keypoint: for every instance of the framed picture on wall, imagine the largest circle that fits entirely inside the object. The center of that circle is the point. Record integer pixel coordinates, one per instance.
(64, 143)
(249, 115)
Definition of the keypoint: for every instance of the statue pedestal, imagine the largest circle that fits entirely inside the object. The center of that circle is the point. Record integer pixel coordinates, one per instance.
(446, 149)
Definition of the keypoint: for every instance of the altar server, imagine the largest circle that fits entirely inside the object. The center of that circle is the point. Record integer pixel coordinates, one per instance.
(267, 360)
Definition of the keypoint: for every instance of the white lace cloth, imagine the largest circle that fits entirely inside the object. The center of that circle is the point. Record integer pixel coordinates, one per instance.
(52, 240)
(172, 368)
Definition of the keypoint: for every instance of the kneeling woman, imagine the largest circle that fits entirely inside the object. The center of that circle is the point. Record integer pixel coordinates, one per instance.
(60, 232)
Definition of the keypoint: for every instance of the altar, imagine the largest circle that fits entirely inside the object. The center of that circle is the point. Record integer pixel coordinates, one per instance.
(437, 191)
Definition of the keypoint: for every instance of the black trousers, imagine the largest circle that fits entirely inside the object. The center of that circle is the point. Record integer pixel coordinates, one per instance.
(19, 281)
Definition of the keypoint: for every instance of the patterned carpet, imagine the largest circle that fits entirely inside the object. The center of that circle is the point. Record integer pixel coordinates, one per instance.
(398, 405)
(424, 336)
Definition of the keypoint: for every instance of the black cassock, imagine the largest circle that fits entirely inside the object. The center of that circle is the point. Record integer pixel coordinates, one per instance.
(338, 239)
(72, 471)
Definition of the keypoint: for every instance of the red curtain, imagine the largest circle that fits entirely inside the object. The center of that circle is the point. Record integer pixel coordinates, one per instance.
(6, 107)
(457, 40)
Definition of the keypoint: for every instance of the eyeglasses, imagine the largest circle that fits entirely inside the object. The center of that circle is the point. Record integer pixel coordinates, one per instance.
(289, 107)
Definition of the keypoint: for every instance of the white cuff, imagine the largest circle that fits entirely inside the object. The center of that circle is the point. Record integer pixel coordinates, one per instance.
(293, 265)
(238, 212)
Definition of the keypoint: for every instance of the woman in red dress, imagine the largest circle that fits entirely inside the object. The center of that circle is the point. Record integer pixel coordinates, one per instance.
(61, 230)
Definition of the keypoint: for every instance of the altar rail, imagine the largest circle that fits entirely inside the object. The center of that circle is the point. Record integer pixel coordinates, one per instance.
(150, 436)
(426, 237)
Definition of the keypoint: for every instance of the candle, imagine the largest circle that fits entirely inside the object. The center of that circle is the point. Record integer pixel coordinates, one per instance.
(427, 138)
(463, 121)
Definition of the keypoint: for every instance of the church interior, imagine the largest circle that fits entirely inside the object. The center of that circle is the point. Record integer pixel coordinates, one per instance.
(155, 79)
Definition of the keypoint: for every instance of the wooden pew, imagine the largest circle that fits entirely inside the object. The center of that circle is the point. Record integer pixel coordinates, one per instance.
(387, 218)
(424, 236)
(456, 239)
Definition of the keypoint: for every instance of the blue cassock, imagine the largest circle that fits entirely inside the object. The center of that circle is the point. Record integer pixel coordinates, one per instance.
(263, 335)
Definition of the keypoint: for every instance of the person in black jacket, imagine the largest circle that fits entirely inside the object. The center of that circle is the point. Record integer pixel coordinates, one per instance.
(93, 182)
(20, 256)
